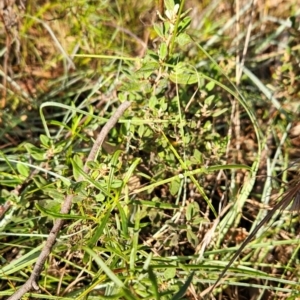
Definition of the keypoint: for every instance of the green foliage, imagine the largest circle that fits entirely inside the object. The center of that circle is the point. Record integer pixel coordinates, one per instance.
(156, 216)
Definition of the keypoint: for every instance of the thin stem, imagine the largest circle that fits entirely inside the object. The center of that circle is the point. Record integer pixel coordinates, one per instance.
(282, 205)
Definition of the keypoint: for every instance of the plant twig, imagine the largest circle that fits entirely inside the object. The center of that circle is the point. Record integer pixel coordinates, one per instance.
(104, 131)
(31, 283)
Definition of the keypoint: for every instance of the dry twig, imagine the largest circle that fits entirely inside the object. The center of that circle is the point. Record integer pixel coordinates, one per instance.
(31, 283)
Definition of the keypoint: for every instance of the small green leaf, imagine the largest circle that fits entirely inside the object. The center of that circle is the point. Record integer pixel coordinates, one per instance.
(174, 186)
(187, 78)
(184, 74)
(192, 210)
(153, 102)
(79, 164)
(148, 67)
(45, 140)
(39, 181)
(192, 238)
(210, 85)
(183, 39)
(158, 29)
(55, 195)
(208, 101)
(163, 51)
(187, 139)
(170, 273)
(116, 183)
(80, 187)
(166, 28)
(23, 169)
(141, 130)
(36, 153)
(93, 165)
(198, 155)
(169, 4)
(188, 213)
(219, 112)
